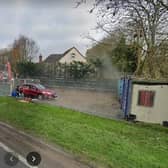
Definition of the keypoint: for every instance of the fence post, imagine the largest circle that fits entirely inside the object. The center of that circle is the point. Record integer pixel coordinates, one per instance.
(12, 85)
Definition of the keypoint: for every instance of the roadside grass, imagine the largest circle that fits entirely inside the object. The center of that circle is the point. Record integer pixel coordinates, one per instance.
(109, 143)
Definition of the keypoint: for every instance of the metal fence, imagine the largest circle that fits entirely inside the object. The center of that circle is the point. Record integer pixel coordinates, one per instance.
(69, 71)
(5, 88)
(104, 85)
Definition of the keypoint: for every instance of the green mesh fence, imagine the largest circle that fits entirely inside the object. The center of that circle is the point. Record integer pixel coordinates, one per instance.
(4, 89)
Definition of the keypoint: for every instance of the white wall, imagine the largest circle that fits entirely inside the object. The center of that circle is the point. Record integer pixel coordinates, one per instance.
(156, 114)
(68, 57)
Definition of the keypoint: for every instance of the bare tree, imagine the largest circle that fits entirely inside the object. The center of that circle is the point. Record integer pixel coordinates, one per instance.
(145, 21)
(25, 49)
(164, 3)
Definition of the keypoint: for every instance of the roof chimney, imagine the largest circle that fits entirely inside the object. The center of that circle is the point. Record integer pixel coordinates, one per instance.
(40, 59)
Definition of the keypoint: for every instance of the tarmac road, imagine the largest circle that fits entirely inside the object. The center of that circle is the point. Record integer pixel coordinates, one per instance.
(3, 163)
(22, 145)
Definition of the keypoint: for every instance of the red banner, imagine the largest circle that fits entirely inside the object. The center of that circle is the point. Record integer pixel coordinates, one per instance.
(9, 71)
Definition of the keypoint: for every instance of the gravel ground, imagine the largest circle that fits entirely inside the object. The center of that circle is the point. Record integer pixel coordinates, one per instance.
(101, 103)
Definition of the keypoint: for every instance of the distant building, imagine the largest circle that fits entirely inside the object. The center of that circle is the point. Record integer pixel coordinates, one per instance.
(67, 57)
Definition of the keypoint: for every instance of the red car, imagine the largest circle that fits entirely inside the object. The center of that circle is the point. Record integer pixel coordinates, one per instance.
(37, 91)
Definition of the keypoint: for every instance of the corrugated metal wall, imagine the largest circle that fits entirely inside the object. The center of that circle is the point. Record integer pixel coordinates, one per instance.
(124, 93)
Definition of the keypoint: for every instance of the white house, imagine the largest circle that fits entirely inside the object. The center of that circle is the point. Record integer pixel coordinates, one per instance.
(67, 57)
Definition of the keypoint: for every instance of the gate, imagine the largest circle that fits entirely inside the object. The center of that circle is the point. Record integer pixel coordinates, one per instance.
(6, 81)
(5, 88)
(124, 93)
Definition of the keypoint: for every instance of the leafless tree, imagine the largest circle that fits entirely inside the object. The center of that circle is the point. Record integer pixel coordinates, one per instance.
(145, 21)
(25, 49)
(164, 3)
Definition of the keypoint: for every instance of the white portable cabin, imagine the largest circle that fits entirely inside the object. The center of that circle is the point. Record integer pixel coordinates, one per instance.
(149, 101)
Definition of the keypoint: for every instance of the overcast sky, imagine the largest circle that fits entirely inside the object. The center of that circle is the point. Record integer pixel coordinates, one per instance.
(54, 24)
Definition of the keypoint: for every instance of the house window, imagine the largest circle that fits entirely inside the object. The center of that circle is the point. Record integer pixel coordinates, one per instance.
(73, 55)
(146, 98)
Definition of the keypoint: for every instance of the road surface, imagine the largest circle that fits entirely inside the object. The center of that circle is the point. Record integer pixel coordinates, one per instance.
(22, 145)
(3, 163)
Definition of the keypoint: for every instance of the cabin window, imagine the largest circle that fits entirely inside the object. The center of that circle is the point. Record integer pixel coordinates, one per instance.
(146, 98)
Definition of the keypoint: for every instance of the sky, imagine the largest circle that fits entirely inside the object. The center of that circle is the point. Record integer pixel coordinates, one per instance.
(55, 25)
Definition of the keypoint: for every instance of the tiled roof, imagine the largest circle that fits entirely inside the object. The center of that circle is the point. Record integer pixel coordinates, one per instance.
(56, 57)
(53, 58)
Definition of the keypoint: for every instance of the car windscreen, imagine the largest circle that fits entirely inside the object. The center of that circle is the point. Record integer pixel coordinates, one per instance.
(39, 86)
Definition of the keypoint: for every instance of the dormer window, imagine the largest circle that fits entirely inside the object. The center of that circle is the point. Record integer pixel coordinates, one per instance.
(73, 55)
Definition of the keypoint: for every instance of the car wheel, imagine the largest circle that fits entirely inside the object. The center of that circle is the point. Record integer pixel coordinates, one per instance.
(25, 95)
(40, 97)
(50, 97)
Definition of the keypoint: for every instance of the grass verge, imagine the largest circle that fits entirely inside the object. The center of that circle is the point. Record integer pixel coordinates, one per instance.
(109, 143)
